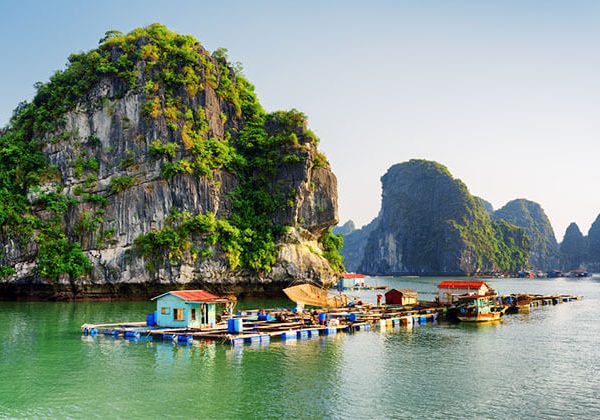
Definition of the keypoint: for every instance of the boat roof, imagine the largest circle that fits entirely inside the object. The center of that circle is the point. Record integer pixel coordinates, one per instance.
(461, 284)
(193, 296)
(352, 276)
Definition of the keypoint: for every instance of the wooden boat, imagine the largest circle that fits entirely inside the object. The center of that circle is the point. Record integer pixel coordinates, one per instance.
(479, 308)
(308, 294)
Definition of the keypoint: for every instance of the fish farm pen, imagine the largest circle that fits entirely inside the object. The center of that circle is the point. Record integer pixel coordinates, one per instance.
(260, 326)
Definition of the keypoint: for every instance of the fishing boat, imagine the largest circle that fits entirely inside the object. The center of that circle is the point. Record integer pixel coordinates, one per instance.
(479, 308)
(308, 294)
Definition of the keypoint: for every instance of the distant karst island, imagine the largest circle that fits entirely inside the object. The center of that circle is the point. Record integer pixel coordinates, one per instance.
(429, 224)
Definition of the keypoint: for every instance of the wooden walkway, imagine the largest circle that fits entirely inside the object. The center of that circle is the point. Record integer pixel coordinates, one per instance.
(287, 325)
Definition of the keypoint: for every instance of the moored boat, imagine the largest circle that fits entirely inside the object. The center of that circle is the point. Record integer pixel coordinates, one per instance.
(479, 308)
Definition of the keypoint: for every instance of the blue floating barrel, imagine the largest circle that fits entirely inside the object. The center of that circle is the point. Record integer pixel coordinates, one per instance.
(330, 331)
(185, 339)
(352, 317)
(322, 317)
(288, 335)
(422, 319)
(132, 334)
(93, 331)
(115, 333)
(253, 340)
(234, 325)
(150, 320)
(238, 341)
(168, 336)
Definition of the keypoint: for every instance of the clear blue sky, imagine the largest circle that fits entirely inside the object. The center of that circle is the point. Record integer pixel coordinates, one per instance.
(505, 93)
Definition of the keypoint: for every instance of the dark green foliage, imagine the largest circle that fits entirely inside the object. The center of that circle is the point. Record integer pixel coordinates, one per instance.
(121, 183)
(57, 255)
(332, 244)
(175, 240)
(159, 149)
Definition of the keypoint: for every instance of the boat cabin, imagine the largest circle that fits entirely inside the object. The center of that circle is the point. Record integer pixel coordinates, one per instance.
(401, 297)
(449, 291)
(186, 309)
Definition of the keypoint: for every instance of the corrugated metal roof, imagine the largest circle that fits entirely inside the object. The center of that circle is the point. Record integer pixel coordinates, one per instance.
(353, 276)
(450, 284)
(192, 295)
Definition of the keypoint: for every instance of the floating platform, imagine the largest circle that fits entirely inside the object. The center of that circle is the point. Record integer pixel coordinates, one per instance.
(260, 327)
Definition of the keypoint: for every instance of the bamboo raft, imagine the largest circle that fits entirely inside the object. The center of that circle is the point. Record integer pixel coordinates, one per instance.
(289, 325)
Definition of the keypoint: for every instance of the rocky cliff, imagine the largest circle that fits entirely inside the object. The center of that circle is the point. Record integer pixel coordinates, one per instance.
(590, 259)
(573, 249)
(531, 217)
(430, 224)
(148, 164)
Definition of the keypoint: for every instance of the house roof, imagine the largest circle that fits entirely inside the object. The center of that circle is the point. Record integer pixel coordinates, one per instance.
(405, 292)
(450, 284)
(193, 296)
(352, 276)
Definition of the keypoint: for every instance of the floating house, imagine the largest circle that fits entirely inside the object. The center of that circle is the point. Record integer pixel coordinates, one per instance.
(349, 280)
(449, 290)
(401, 297)
(186, 309)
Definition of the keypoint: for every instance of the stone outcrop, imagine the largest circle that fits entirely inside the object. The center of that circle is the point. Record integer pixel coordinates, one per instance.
(531, 217)
(110, 126)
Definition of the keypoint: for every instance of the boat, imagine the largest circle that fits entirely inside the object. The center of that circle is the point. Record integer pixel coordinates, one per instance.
(479, 308)
(308, 294)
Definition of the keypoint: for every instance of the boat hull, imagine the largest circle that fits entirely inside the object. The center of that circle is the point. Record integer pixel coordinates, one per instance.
(492, 316)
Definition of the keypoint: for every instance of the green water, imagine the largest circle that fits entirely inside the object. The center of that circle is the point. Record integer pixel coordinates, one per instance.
(543, 364)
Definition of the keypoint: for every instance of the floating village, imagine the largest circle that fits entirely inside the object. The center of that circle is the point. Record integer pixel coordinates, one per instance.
(182, 316)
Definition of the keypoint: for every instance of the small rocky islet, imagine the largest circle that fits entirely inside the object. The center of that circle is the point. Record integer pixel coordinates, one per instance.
(149, 164)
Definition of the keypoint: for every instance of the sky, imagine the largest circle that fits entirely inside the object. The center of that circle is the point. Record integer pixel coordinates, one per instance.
(506, 94)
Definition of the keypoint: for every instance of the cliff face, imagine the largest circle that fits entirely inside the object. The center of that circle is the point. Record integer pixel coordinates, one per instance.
(531, 217)
(592, 257)
(161, 168)
(353, 250)
(573, 249)
(429, 224)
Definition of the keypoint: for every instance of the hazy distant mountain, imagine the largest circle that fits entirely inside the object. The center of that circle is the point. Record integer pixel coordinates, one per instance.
(531, 216)
(429, 223)
(345, 229)
(573, 249)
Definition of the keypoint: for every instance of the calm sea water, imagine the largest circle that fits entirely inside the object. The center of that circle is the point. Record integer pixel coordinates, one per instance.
(545, 364)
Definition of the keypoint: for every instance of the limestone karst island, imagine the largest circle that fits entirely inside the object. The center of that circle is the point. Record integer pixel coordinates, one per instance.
(172, 246)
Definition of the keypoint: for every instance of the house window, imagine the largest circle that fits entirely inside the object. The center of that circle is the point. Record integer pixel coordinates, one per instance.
(178, 314)
(164, 310)
(193, 314)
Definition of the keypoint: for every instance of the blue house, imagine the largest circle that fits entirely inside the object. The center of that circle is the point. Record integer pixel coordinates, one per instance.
(186, 309)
